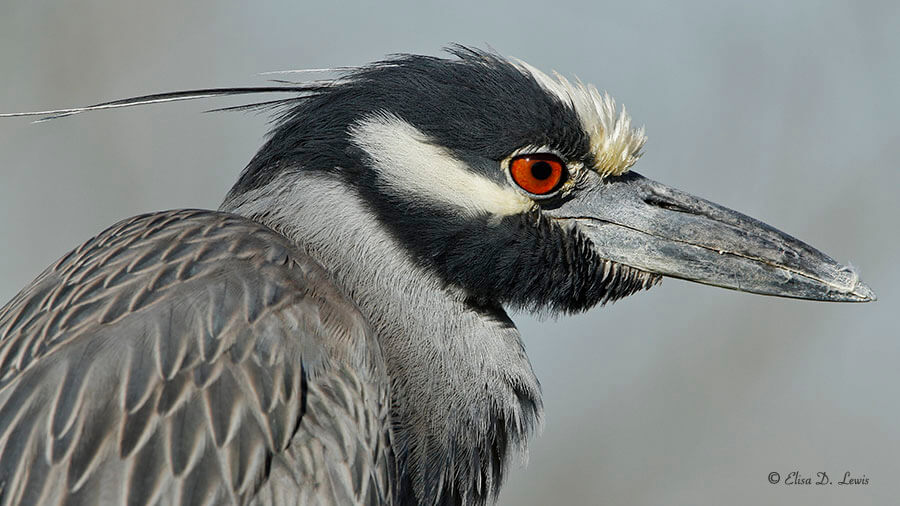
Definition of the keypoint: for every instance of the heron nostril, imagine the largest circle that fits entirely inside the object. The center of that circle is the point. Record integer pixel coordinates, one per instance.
(664, 203)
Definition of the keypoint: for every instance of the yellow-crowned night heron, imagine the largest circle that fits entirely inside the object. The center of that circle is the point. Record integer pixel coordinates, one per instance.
(336, 333)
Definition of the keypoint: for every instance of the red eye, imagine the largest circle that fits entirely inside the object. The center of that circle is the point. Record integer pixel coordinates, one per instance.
(539, 174)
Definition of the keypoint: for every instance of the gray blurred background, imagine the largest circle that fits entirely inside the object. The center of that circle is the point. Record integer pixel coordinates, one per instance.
(685, 394)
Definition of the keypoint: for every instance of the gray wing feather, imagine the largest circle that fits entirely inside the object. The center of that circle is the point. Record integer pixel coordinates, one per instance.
(190, 357)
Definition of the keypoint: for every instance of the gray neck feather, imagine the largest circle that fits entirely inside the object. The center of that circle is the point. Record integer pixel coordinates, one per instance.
(459, 375)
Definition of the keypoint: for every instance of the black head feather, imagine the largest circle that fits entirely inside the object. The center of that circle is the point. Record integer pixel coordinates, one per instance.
(478, 105)
(482, 108)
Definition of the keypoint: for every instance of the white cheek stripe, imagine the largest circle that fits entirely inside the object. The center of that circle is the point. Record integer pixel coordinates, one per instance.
(409, 163)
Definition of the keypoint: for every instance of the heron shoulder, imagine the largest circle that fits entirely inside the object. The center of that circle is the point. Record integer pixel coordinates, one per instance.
(180, 355)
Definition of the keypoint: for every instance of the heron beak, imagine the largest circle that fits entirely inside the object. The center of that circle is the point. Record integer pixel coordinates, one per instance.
(644, 224)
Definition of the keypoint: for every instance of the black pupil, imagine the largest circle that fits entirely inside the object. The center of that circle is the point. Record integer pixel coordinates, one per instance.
(541, 170)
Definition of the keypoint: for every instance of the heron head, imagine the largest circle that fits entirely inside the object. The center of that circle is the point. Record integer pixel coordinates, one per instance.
(516, 186)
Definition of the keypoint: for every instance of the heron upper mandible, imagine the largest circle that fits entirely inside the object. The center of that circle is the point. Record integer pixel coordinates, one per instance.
(336, 332)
